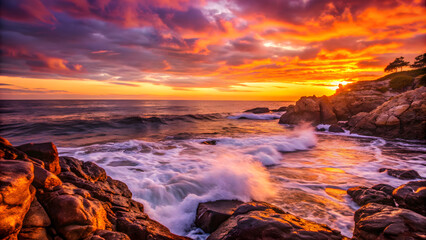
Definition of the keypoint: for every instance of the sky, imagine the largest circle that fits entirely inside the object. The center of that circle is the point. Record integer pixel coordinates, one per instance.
(201, 49)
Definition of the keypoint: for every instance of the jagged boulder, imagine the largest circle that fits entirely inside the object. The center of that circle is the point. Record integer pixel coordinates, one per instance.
(310, 109)
(257, 220)
(35, 223)
(405, 174)
(258, 110)
(211, 214)
(46, 152)
(364, 195)
(376, 221)
(412, 196)
(16, 195)
(403, 116)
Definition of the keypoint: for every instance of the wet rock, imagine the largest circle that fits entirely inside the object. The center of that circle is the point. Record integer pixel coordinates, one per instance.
(35, 222)
(364, 195)
(16, 195)
(412, 196)
(376, 221)
(45, 179)
(310, 109)
(138, 226)
(109, 235)
(265, 221)
(384, 188)
(46, 152)
(211, 214)
(209, 142)
(36, 216)
(405, 174)
(403, 116)
(74, 213)
(5, 141)
(33, 233)
(335, 128)
(258, 110)
(281, 109)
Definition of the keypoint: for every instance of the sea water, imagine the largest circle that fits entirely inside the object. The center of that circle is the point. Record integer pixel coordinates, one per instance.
(156, 148)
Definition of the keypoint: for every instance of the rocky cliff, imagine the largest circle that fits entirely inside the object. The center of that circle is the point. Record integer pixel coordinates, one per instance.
(366, 105)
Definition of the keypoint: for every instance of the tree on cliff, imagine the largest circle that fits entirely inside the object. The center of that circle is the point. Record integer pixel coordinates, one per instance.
(397, 63)
(420, 61)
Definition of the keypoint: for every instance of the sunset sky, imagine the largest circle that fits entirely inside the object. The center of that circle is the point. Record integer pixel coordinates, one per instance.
(201, 49)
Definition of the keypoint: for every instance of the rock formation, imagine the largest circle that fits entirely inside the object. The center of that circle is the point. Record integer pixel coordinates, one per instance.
(403, 116)
(259, 220)
(43, 196)
(310, 109)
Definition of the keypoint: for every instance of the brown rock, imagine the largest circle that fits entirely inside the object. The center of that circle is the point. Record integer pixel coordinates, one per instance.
(376, 221)
(335, 128)
(109, 235)
(46, 152)
(364, 195)
(403, 116)
(258, 110)
(211, 214)
(36, 216)
(33, 233)
(265, 221)
(139, 226)
(412, 196)
(74, 213)
(16, 195)
(384, 188)
(310, 109)
(45, 179)
(405, 174)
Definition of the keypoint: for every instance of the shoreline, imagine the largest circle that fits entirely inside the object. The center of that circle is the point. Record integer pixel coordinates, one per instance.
(110, 213)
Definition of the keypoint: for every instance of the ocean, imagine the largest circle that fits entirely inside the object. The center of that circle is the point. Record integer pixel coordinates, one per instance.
(156, 148)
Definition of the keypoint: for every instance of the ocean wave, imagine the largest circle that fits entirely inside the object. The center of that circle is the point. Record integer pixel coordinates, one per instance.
(172, 177)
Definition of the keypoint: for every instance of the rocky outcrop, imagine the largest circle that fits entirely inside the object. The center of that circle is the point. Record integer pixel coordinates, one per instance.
(376, 221)
(35, 223)
(230, 219)
(75, 201)
(358, 99)
(403, 116)
(404, 174)
(258, 110)
(46, 152)
(258, 220)
(16, 195)
(211, 214)
(310, 109)
(412, 196)
(364, 195)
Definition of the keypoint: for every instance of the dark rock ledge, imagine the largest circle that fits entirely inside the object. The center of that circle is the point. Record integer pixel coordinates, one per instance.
(44, 196)
(379, 218)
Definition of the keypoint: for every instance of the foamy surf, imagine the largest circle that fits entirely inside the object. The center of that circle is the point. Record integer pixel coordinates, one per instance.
(172, 177)
(253, 116)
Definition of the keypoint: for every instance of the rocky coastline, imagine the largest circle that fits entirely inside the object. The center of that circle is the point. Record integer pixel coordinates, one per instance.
(369, 108)
(45, 196)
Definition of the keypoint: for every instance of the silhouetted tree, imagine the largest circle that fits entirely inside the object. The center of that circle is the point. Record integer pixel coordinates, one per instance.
(420, 61)
(397, 63)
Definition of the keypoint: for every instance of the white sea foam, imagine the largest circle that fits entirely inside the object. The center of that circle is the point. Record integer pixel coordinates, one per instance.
(172, 177)
(253, 116)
